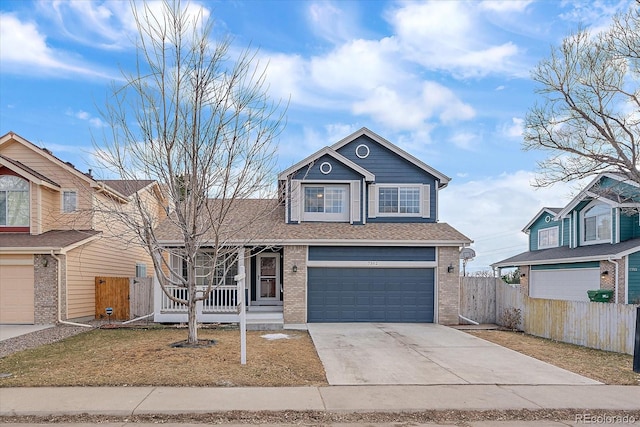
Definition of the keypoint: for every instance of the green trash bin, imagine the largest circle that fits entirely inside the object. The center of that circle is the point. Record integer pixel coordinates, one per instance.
(600, 295)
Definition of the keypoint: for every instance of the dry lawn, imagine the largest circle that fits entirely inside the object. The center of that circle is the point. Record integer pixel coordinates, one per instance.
(135, 357)
(603, 366)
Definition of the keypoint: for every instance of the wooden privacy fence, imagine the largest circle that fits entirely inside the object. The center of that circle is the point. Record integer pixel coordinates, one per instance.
(129, 297)
(478, 299)
(605, 326)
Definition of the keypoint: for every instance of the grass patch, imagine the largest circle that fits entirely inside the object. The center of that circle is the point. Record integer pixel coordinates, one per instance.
(603, 366)
(135, 357)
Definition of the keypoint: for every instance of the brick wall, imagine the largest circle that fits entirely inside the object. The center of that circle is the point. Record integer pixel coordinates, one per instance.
(448, 286)
(608, 280)
(524, 280)
(295, 284)
(45, 287)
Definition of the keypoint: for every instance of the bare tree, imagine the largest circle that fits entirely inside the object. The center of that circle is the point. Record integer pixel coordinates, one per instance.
(590, 111)
(202, 126)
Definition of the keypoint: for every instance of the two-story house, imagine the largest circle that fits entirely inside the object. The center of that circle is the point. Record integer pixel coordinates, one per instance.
(592, 243)
(354, 237)
(56, 234)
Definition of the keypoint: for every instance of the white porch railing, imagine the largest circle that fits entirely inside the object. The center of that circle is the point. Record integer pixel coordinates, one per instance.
(222, 299)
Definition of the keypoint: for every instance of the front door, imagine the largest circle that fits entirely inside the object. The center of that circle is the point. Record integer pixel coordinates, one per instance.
(268, 278)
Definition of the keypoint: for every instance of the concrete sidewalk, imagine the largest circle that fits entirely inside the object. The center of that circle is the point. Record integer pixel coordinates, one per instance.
(127, 401)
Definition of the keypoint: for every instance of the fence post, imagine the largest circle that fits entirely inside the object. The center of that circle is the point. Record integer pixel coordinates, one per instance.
(636, 349)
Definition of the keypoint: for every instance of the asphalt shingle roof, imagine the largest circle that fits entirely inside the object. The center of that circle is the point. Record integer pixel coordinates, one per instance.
(262, 220)
(55, 239)
(564, 253)
(127, 187)
(27, 169)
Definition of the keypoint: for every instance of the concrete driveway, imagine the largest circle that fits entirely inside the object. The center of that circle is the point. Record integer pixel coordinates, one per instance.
(10, 331)
(425, 354)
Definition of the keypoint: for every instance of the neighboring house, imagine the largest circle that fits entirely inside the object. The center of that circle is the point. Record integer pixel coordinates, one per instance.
(355, 237)
(55, 237)
(592, 243)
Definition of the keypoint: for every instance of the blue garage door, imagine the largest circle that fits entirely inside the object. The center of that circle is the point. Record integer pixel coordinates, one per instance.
(370, 294)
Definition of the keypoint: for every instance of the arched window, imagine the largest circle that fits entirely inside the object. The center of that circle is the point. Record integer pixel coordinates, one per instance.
(596, 222)
(14, 201)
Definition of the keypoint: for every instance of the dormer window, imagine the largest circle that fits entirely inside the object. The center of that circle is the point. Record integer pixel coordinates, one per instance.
(326, 203)
(548, 238)
(596, 224)
(14, 201)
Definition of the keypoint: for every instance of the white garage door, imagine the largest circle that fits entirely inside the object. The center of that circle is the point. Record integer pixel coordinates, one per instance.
(569, 284)
(16, 290)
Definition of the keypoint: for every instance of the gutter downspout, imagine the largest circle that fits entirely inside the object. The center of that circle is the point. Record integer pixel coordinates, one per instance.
(615, 283)
(64, 322)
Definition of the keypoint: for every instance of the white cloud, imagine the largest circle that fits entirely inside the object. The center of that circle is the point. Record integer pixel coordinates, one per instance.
(514, 129)
(501, 6)
(465, 140)
(331, 21)
(85, 116)
(493, 210)
(449, 35)
(24, 50)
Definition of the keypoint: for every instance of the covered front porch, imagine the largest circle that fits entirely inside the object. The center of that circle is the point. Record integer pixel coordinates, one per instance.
(263, 289)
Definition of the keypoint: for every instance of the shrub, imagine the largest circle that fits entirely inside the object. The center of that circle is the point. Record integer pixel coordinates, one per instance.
(511, 318)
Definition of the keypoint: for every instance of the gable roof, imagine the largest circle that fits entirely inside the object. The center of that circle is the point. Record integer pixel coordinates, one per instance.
(243, 224)
(22, 170)
(552, 211)
(444, 180)
(564, 254)
(330, 152)
(586, 193)
(128, 187)
(333, 151)
(55, 240)
(120, 189)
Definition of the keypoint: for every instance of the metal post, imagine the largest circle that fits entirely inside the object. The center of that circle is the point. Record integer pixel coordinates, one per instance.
(636, 350)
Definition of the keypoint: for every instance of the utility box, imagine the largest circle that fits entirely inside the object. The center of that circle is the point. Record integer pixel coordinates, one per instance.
(600, 295)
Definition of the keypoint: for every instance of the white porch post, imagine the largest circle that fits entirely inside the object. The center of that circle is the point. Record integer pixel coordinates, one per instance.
(242, 310)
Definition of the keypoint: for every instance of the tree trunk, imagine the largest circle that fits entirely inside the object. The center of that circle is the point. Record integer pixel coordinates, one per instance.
(193, 323)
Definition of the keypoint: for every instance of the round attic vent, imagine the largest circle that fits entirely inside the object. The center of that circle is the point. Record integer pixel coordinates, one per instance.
(362, 151)
(325, 168)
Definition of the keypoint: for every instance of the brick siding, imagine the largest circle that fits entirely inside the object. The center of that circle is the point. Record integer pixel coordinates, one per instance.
(295, 284)
(448, 287)
(45, 286)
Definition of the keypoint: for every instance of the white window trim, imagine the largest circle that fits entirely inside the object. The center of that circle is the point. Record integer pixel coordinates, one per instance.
(557, 236)
(323, 216)
(581, 226)
(398, 214)
(62, 193)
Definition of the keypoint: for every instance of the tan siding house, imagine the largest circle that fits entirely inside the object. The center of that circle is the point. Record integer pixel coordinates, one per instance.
(53, 244)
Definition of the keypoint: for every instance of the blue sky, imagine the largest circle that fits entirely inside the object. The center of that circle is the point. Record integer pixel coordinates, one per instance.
(447, 81)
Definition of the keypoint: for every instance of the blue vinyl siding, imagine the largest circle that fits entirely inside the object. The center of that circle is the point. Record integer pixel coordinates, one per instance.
(634, 278)
(390, 168)
(540, 224)
(566, 232)
(339, 171)
(593, 264)
(371, 253)
(629, 228)
(370, 295)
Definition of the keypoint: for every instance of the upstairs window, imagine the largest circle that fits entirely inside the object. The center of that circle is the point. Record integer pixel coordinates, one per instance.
(548, 238)
(399, 200)
(326, 203)
(69, 201)
(14, 201)
(596, 224)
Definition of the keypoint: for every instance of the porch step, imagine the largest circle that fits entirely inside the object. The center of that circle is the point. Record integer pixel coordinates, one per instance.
(265, 321)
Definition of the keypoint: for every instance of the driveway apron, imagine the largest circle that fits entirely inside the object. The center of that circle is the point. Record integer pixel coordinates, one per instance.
(424, 354)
